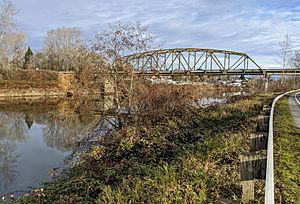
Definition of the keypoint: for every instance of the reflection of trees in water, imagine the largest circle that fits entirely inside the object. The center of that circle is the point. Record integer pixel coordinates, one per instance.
(62, 129)
(62, 132)
(104, 126)
(64, 121)
(13, 127)
(8, 160)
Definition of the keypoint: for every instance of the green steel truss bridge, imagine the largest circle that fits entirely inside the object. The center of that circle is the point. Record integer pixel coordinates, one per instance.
(197, 61)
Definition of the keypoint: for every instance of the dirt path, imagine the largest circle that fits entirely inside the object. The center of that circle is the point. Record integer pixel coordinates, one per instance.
(295, 108)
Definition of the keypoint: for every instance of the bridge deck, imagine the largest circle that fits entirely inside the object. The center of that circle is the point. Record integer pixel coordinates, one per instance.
(221, 72)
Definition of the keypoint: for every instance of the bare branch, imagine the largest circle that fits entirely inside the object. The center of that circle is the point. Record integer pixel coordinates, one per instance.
(12, 40)
(285, 50)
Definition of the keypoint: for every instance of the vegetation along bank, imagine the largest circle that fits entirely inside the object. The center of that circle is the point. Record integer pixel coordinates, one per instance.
(168, 153)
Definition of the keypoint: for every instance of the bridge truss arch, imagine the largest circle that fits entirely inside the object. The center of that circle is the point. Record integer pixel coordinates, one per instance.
(192, 60)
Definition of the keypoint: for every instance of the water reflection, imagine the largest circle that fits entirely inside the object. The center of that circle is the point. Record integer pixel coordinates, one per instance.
(13, 127)
(8, 159)
(37, 136)
(63, 133)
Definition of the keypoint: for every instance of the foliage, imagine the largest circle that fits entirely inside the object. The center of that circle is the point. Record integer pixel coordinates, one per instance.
(287, 143)
(27, 58)
(189, 157)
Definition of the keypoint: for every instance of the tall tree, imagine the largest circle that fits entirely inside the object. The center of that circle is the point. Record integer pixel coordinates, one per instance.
(61, 47)
(12, 40)
(285, 51)
(27, 58)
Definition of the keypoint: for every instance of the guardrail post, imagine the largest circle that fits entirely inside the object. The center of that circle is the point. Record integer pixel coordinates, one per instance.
(247, 191)
(258, 141)
(263, 123)
(253, 166)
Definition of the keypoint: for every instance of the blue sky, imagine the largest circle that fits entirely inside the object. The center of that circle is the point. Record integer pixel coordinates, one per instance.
(251, 26)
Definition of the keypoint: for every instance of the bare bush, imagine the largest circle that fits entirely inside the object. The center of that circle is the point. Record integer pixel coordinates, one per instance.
(159, 102)
(92, 68)
(36, 76)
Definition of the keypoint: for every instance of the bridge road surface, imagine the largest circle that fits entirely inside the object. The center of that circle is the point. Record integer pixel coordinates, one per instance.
(294, 105)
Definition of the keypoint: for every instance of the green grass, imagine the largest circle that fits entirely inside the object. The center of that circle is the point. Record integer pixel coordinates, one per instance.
(287, 155)
(191, 157)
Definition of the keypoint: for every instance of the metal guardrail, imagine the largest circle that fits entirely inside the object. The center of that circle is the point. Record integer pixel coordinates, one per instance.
(269, 187)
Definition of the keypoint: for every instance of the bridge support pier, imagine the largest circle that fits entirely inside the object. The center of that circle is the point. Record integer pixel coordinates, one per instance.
(107, 95)
(266, 83)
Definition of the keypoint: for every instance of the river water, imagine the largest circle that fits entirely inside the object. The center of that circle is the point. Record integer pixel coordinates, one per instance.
(37, 135)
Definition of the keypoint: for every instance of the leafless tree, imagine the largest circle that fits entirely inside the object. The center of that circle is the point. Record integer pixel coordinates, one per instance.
(285, 53)
(12, 40)
(295, 63)
(296, 59)
(39, 60)
(285, 50)
(117, 40)
(61, 47)
(121, 39)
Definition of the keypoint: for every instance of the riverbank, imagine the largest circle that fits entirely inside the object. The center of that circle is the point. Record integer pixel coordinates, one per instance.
(30, 83)
(183, 154)
(18, 83)
(286, 144)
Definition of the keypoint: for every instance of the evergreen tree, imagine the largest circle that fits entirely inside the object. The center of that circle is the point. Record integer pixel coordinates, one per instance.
(27, 58)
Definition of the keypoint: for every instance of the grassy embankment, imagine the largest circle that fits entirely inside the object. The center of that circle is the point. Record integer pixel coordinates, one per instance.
(29, 83)
(189, 157)
(183, 155)
(287, 155)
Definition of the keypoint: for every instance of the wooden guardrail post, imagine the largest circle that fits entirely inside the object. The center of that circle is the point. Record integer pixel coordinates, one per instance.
(258, 141)
(254, 163)
(253, 166)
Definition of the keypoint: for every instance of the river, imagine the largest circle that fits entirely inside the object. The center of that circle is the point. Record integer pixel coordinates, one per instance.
(35, 137)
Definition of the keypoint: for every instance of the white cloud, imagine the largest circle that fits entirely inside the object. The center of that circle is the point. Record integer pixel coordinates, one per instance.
(251, 26)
